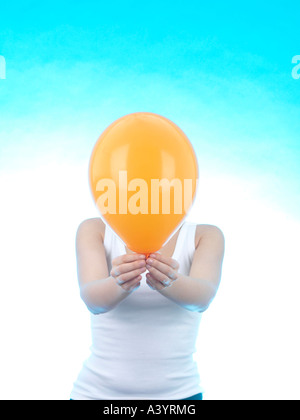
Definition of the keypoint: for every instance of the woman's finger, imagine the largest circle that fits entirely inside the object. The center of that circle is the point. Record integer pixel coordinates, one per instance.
(161, 267)
(128, 267)
(127, 258)
(133, 284)
(155, 284)
(166, 260)
(128, 276)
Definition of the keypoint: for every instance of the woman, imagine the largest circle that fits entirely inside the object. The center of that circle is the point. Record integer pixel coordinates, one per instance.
(145, 313)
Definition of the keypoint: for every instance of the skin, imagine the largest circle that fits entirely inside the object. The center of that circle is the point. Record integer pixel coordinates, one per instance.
(102, 291)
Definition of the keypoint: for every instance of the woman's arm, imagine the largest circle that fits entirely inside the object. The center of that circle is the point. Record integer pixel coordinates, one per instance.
(99, 290)
(196, 291)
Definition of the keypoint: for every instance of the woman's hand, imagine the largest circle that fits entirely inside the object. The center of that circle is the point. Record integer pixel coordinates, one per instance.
(163, 271)
(127, 269)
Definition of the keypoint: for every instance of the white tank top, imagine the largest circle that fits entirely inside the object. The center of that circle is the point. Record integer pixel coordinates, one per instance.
(144, 348)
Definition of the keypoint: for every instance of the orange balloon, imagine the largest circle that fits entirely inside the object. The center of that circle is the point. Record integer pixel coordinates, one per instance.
(143, 175)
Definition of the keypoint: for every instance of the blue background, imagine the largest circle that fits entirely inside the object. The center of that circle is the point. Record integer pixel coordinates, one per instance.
(220, 70)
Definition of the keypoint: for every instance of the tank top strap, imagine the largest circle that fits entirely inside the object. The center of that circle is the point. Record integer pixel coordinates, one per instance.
(191, 240)
(181, 240)
(108, 239)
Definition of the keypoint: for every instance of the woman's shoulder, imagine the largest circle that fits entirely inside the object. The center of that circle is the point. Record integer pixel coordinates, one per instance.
(94, 225)
(206, 229)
